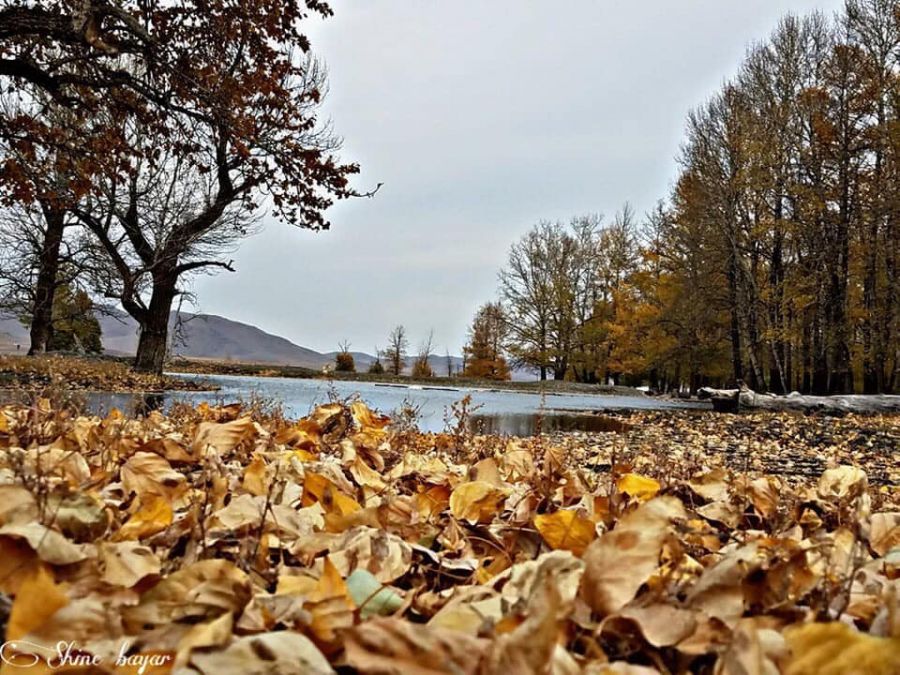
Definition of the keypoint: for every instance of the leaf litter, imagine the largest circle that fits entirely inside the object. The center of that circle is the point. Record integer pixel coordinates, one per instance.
(218, 540)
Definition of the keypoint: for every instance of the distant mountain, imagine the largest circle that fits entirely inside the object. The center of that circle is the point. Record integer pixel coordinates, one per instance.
(207, 336)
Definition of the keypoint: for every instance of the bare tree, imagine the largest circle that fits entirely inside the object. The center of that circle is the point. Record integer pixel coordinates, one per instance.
(547, 289)
(398, 344)
(39, 254)
(179, 213)
(421, 367)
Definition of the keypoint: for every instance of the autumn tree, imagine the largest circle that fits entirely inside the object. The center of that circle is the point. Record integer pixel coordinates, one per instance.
(787, 202)
(180, 214)
(74, 326)
(343, 361)
(97, 62)
(484, 351)
(394, 354)
(217, 91)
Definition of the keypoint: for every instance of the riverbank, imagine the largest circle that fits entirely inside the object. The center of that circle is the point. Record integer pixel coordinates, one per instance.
(74, 373)
(225, 539)
(211, 367)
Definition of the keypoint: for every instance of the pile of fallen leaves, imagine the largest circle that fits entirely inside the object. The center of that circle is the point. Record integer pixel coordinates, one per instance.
(797, 447)
(213, 541)
(71, 373)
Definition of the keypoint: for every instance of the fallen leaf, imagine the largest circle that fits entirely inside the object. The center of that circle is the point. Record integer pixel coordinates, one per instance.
(620, 561)
(635, 485)
(125, 564)
(50, 545)
(836, 648)
(389, 645)
(37, 600)
(476, 502)
(661, 625)
(255, 477)
(222, 436)
(265, 654)
(201, 591)
(154, 514)
(146, 473)
(566, 530)
(842, 482)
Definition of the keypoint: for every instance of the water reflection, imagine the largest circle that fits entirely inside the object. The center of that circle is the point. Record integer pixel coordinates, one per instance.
(528, 424)
(144, 404)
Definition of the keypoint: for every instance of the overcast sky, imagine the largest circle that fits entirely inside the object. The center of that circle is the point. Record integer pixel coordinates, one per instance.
(480, 118)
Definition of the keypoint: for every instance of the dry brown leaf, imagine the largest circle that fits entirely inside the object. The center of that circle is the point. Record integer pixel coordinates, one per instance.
(126, 563)
(719, 590)
(50, 545)
(763, 494)
(318, 489)
(255, 477)
(712, 485)
(530, 646)
(389, 645)
(17, 559)
(477, 501)
(146, 473)
(17, 504)
(837, 649)
(204, 590)
(619, 562)
(884, 532)
(661, 625)
(265, 654)
(636, 485)
(756, 649)
(222, 437)
(330, 606)
(385, 555)
(842, 482)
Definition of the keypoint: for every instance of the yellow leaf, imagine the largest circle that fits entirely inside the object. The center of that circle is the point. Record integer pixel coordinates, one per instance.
(255, 477)
(154, 515)
(366, 419)
(836, 648)
(16, 562)
(37, 600)
(318, 489)
(477, 501)
(566, 530)
(431, 500)
(636, 485)
(330, 605)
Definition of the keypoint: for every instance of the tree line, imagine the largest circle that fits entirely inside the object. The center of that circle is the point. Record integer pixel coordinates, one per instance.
(774, 260)
(138, 142)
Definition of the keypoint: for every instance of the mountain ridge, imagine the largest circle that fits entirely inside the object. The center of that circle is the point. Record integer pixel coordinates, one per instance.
(211, 336)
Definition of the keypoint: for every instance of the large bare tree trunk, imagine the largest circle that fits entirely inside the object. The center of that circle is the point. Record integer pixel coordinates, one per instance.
(42, 312)
(154, 338)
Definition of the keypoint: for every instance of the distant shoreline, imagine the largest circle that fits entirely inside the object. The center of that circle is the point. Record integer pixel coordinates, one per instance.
(211, 367)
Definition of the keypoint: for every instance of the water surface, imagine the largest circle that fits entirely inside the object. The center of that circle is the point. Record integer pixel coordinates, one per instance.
(493, 411)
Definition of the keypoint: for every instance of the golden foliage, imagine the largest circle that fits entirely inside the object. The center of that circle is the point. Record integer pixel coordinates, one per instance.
(223, 542)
